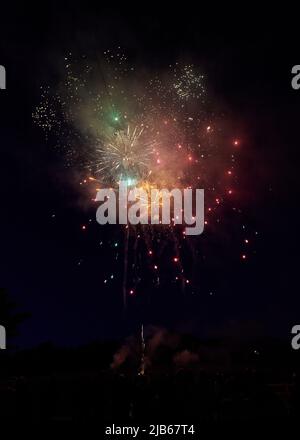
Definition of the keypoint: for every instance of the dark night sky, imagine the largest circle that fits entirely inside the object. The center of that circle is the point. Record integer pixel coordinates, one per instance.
(248, 63)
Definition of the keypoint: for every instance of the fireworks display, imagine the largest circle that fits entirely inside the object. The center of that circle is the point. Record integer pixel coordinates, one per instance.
(149, 245)
(113, 121)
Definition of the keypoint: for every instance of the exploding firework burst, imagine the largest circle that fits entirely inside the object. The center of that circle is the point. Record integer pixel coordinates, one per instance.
(124, 155)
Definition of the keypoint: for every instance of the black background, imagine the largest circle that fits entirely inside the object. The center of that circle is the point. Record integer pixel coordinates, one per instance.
(247, 56)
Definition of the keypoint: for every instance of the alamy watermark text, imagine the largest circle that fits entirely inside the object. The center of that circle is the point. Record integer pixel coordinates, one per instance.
(154, 206)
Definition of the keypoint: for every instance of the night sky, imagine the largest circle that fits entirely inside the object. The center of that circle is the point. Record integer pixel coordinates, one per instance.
(248, 62)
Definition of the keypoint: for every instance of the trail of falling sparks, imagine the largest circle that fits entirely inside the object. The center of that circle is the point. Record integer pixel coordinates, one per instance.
(125, 266)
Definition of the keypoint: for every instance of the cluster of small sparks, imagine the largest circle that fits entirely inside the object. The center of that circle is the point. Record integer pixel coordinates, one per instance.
(188, 84)
(154, 132)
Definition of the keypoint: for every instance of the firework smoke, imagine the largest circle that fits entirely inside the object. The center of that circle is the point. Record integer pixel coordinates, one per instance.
(155, 130)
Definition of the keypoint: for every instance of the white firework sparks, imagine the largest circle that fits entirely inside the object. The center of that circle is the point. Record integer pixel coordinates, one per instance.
(188, 84)
(127, 154)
